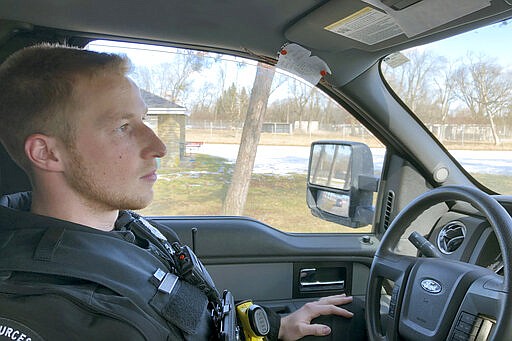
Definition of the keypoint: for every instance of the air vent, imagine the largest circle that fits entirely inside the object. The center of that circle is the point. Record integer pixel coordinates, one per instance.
(451, 237)
(388, 209)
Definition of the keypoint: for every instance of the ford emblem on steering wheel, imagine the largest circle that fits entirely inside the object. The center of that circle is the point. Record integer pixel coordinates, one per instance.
(431, 286)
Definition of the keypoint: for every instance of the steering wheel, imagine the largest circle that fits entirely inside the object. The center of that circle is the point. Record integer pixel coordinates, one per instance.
(436, 298)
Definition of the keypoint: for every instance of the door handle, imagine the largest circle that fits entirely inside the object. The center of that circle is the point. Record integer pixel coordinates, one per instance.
(309, 280)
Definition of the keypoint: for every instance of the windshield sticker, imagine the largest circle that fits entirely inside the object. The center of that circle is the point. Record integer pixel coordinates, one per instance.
(298, 60)
(368, 26)
(396, 59)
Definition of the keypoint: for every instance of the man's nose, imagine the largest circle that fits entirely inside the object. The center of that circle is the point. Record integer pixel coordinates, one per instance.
(155, 148)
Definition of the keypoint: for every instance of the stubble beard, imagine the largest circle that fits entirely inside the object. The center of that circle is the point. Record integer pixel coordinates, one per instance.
(97, 196)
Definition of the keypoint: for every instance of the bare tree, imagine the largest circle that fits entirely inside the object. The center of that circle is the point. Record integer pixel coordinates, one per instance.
(485, 90)
(236, 195)
(171, 80)
(445, 86)
(301, 93)
(203, 103)
(411, 80)
(280, 110)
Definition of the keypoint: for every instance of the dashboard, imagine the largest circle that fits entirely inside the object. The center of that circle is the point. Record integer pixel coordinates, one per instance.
(463, 234)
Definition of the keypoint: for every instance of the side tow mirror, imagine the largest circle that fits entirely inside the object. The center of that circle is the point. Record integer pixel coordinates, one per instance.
(341, 182)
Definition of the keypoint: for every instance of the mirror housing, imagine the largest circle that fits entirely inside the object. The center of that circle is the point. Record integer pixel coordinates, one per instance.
(341, 182)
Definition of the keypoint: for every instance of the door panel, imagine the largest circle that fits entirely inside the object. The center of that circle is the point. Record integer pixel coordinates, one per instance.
(282, 270)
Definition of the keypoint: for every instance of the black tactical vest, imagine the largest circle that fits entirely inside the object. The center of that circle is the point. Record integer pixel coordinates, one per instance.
(63, 281)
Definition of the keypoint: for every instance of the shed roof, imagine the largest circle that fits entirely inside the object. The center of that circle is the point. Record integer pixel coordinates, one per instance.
(156, 102)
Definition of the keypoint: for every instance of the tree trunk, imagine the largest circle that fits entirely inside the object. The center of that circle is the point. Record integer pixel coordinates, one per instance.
(239, 186)
(490, 117)
(495, 135)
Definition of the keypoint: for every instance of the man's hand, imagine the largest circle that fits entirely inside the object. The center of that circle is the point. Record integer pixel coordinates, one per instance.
(298, 324)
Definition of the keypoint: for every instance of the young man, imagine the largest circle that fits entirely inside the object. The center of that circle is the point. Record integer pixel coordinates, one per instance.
(74, 122)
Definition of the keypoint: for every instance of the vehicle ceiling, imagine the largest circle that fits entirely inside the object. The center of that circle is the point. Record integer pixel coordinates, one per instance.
(257, 27)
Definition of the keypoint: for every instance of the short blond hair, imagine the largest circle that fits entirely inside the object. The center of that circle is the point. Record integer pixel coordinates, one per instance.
(37, 92)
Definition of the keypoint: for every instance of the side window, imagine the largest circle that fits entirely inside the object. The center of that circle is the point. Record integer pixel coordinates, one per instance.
(238, 135)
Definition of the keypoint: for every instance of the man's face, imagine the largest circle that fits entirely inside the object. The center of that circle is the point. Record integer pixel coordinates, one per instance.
(112, 162)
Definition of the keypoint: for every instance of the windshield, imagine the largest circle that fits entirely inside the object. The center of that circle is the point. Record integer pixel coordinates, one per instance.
(461, 89)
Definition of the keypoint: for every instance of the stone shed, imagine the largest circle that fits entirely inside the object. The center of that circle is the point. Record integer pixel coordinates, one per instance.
(168, 120)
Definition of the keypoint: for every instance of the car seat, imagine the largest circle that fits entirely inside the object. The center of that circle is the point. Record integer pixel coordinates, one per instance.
(12, 178)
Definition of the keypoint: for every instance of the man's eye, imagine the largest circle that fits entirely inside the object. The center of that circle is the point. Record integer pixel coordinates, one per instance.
(124, 127)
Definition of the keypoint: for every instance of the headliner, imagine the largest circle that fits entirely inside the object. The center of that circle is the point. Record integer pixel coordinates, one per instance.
(249, 27)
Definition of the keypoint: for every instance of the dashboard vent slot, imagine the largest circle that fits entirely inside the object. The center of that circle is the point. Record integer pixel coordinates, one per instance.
(388, 209)
(450, 237)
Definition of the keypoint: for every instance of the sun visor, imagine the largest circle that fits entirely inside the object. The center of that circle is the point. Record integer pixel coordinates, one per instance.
(371, 25)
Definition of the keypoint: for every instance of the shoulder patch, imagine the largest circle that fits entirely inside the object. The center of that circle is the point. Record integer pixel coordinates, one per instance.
(16, 331)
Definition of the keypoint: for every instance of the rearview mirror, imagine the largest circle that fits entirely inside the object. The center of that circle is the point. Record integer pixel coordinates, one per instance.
(341, 182)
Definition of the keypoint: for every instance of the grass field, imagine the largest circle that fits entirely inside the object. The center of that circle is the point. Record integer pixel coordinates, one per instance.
(279, 201)
(198, 187)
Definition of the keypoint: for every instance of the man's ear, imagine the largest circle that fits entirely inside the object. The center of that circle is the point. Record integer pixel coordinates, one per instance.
(43, 152)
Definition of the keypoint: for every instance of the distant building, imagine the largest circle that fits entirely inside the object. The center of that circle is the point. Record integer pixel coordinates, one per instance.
(306, 126)
(168, 120)
(277, 128)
